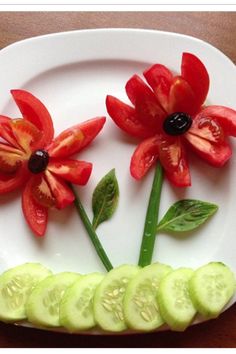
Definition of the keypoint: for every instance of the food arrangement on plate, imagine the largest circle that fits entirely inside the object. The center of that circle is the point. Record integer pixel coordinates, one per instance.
(168, 115)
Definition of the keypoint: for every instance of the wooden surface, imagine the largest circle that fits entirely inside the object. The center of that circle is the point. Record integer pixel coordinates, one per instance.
(218, 29)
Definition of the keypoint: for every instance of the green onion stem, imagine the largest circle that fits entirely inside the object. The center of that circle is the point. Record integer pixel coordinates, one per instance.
(150, 226)
(92, 234)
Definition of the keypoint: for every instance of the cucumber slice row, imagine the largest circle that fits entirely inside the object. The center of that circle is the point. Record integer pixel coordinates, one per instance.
(128, 296)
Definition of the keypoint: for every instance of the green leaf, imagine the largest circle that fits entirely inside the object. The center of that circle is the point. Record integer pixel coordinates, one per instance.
(105, 198)
(186, 215)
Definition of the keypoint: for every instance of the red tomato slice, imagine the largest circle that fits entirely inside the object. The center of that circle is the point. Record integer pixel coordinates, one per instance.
(160, 79)
(6, 132)
(11, 182)
(144, 157)
(74, 139)
(61, 192)
(35, 214)
(173, 159)
(182, 98)
(41, 191)
(77, 172)
(146, 104)
(126, 118)
(34, 111)
(28, 137)
(195, 73)
(216, 154)
(224, 115)
(207, 128)
(10, 158)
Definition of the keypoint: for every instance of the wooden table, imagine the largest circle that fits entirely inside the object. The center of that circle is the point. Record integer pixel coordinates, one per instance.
(217, 28)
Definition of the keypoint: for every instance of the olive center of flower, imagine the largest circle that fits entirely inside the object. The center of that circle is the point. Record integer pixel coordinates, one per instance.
(177, 123)
(38, 161)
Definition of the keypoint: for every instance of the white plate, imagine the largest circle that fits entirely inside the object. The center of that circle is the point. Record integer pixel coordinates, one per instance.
(72, 73)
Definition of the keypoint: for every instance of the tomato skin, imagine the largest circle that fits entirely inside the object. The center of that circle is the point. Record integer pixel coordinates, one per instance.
(33, 110)
(144, 157)
(74, 171)
(195, 73)
(224, 115)
(35, 214)
(76, 138)
(126, 118)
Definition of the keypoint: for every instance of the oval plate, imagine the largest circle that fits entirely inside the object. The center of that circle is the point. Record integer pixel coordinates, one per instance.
(71, 73)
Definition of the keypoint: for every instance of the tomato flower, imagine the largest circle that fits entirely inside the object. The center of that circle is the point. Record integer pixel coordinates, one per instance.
(32, 160)
(169, 115)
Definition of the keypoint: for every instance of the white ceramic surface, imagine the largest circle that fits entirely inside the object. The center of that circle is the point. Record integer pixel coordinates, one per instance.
(72, 73)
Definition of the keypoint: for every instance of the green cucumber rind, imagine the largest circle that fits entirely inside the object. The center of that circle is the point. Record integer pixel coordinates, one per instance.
(70, 318)
(133, 317)
(37, 270)
(196, 288)
(101, 316)
(176, 320)
(36, 312)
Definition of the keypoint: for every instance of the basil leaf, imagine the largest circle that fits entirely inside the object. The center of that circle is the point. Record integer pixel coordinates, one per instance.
(105, 198)
(186, 215)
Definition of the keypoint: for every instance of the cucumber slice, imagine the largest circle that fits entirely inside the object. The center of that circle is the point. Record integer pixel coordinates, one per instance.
(15, 286)
(174, 300)
(140, 304)
(108, 298)
(76, 307)
(42, 307)
(211, 287)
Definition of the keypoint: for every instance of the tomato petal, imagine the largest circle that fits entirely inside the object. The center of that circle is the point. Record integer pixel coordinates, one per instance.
(10, 158)
(77, 172)
(146, 104)
(60, 190)
(216, 154)
(74, 139)
(34, 111)
(224, 115)
(195, 73)
(126, 118)
(207, 128)
(35, 214)
(173, 159)
(11, 182)
(144, 157)
(26, 134)
(6, 132)
(41, 191)
(160, 78)
(182, 98)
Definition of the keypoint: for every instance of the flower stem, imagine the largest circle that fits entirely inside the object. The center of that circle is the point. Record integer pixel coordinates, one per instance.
(92, 234)
(150, 226)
